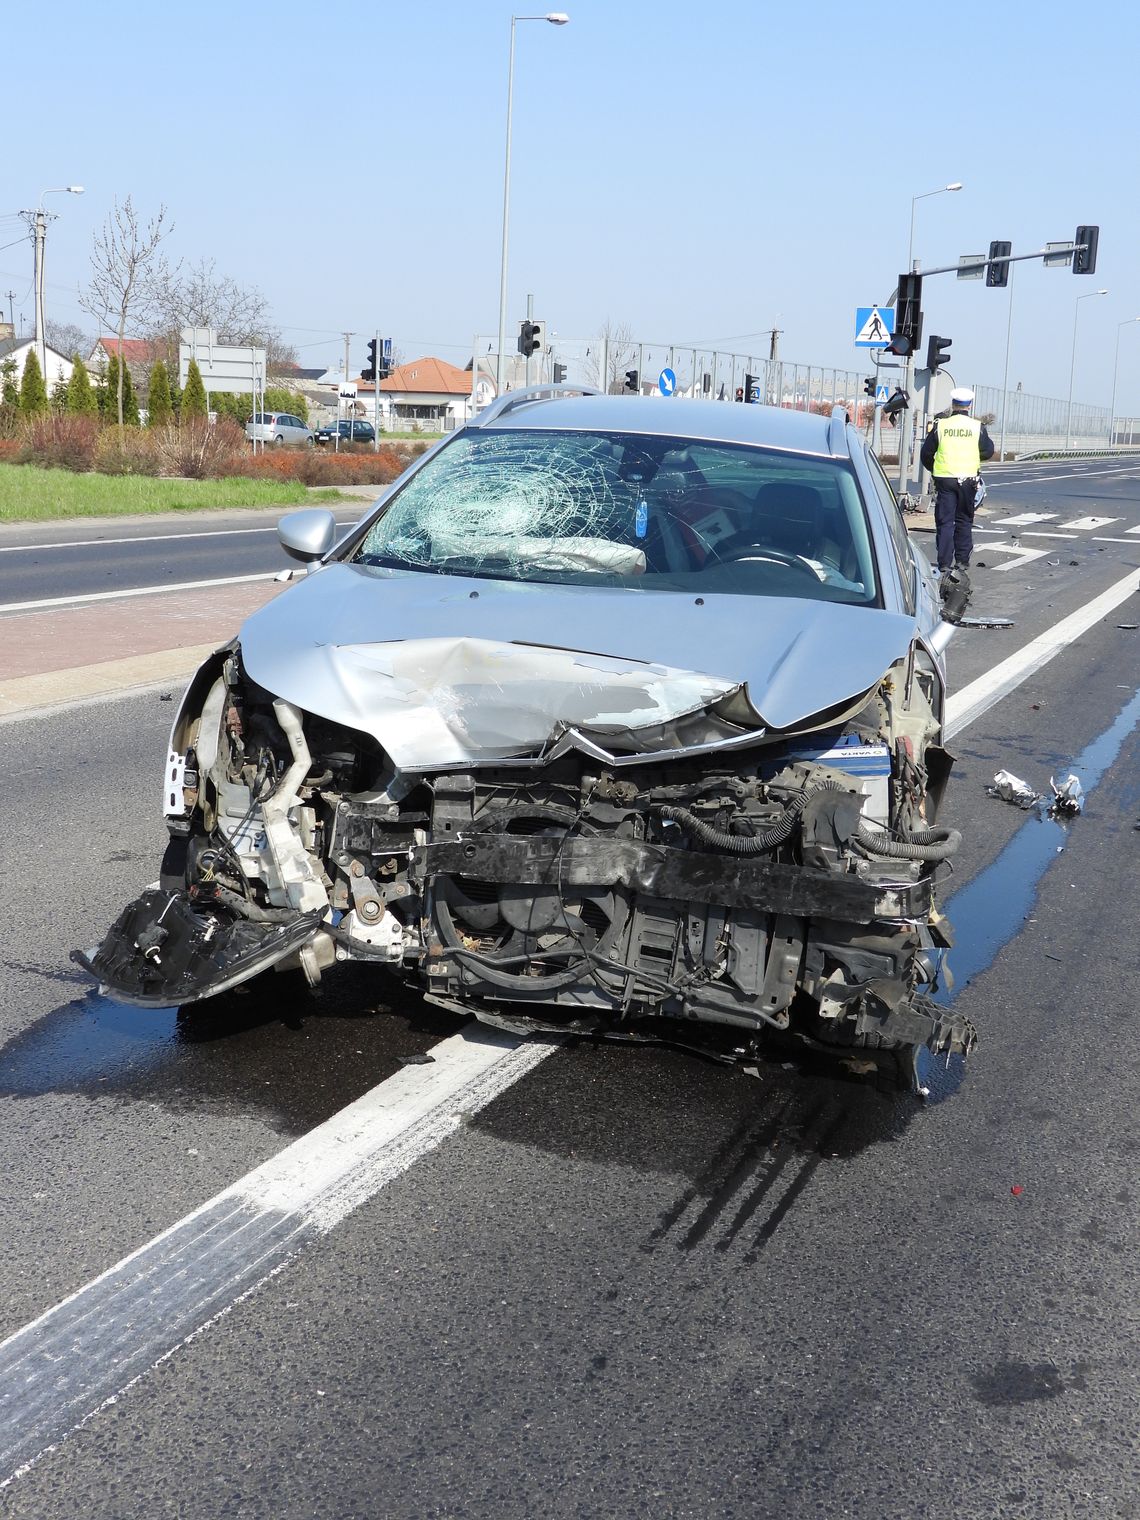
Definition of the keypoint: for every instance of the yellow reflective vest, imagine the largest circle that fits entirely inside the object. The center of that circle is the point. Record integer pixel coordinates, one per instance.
(958, 451)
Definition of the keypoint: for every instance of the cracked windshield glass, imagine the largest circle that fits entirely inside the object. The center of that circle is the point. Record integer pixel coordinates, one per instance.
(640, 511)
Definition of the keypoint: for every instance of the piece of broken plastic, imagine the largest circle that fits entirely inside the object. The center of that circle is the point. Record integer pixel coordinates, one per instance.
(1011, 788)
(1068, 798)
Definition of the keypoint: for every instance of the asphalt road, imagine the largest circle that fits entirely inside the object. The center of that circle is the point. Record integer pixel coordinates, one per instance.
(635, 1283)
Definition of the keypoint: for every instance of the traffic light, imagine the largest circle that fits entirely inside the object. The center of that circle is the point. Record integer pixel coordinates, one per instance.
(531, 337)
(751, 388)
(559, 373)
(997, 274)
(908, 316)
(937, 353)
(632, 380)
(869, 386)
(898, 402)
(1084, 259)
(369, 370)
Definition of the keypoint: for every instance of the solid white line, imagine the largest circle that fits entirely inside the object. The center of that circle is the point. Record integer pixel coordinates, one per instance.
(1027, 517)
(145, 538)
(979, 696)
(1086, 524)
(114, 596)
(1034, 480)
(84, 1352)
(1131, 542)
(1041, 533)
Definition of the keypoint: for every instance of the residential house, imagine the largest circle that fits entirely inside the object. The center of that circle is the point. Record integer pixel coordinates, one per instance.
(428, 395)
(58, 366)
(139, 354)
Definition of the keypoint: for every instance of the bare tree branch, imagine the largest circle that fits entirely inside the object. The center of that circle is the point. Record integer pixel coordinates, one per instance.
(617, 338)
(201, 297)
(126, 269)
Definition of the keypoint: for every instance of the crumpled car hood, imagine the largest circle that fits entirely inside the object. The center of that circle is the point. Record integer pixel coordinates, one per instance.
(446, 669)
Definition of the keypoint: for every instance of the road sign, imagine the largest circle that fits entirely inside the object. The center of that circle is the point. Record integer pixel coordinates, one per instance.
(666, 382)
(348, 390)
(1058, 256)
(881, 393)
(971, 266)
(386, 350)
(223, 367)
(874, 326)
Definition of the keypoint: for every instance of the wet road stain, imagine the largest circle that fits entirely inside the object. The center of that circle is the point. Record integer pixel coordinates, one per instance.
(274, 1049)
(990, 911)
(1017, 1383)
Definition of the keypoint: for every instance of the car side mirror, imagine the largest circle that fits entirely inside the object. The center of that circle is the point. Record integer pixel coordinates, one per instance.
(307, 535)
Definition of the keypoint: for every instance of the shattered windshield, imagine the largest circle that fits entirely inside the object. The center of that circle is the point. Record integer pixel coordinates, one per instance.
(628, 509)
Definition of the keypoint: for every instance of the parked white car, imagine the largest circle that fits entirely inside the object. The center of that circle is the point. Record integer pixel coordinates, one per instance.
(278, 427)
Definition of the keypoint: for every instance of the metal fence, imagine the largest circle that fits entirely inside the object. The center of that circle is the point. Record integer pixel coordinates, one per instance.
(715, 374)
(1019, 423)
(1040, 422)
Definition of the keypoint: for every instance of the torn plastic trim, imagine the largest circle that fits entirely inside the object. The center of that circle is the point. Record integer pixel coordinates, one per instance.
(161, 952)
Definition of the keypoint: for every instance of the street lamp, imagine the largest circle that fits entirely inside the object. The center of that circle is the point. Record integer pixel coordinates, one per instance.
(942, 189)
(906, 427)
(1116, 366)
(1073, 361)
(38, 222)
(556, 18)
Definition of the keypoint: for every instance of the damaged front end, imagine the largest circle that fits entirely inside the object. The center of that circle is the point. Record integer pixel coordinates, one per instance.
(687, 865)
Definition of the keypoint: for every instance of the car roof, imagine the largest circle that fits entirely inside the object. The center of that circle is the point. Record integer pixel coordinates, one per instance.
(730, 422)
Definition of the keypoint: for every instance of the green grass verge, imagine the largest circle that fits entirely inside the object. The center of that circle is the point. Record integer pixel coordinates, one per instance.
(29, 494)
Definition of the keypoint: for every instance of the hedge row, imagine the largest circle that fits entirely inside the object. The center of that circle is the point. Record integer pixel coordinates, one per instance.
(196, 449)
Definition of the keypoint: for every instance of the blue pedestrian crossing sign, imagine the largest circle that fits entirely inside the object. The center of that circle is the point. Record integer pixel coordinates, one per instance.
(874, 326)
(882, 393)
(666, 382)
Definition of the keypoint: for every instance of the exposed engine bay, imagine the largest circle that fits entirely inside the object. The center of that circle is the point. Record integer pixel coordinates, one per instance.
(706, 871)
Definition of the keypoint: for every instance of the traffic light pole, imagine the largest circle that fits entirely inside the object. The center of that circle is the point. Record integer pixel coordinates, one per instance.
(376, 397)
(530, 318)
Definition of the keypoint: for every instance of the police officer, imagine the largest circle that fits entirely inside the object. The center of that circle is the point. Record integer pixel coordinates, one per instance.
(953, 451)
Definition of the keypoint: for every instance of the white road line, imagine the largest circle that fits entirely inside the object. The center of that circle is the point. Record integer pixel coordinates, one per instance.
(60, 1370)
(1041, 533)
(1028, 517)
(145, 538)
(1087, 524)
(1131, 542)
(1133, 530)
(115, 596)
(1024, 556)
(967, 705)
(1035, 480)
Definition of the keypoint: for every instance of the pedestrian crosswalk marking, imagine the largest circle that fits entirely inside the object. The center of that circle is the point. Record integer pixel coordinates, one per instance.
(1027, 517)
(1024, 556)
(1136, 529)
(1087, 524)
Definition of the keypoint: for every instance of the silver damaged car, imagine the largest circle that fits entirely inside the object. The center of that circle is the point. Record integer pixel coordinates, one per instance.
(612, 715)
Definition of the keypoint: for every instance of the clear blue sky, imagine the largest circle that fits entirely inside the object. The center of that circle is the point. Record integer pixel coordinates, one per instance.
(696, 168)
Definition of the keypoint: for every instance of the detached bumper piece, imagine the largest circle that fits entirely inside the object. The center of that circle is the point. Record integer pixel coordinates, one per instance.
(162, 952)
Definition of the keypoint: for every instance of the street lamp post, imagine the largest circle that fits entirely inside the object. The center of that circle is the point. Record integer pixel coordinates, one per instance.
(556, 18)
(906, 422)
(1115, 369)
(38, 221)
(1073, 359)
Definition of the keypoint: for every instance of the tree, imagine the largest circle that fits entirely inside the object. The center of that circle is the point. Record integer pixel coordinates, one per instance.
(201, 297)
(117, 395)
(33, 391)
(9, 395)
(81, 398)
(126, 272)
(67, 337)
(616, 340)
(59, 395)
(160, 411)
(278, 399)
(194, 395)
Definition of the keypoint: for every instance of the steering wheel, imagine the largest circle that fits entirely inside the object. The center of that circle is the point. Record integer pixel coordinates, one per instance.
(745, 546)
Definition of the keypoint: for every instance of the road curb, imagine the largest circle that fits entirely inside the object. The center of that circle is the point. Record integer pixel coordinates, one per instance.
(25, 695)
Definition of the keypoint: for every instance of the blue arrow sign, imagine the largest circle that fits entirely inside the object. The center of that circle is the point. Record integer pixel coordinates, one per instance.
(874, 326)
(666, 382)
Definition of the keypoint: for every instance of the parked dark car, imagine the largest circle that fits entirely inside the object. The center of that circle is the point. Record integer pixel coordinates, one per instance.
(612, 716)
(350, 432)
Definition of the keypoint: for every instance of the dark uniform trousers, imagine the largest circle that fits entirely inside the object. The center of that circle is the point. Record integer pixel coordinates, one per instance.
(954, 519)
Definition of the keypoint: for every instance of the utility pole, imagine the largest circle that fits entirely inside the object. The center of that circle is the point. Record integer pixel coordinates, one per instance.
(347, 336)
(37, 221)
(773, 359)
(11, 294)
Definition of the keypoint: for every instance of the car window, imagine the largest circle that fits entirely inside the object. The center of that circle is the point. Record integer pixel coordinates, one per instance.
(639, 510)
(900, 538)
